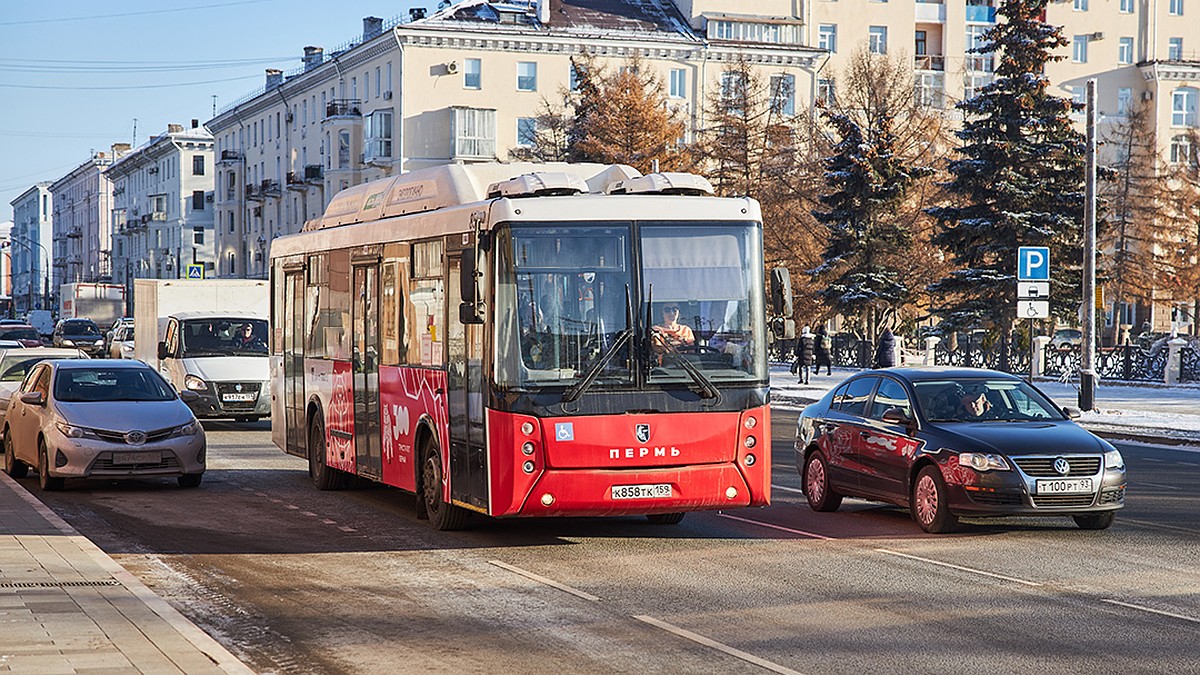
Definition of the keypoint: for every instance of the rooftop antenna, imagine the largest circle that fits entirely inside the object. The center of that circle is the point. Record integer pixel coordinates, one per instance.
(214, 98)
(134, 132)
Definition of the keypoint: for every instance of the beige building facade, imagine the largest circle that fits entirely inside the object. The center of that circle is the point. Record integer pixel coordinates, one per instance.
(82, 240)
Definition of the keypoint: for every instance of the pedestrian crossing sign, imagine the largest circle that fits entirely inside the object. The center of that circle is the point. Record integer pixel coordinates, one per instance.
(195, 271)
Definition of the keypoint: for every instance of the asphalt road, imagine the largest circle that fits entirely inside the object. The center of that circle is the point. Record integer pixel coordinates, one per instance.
(294, 580)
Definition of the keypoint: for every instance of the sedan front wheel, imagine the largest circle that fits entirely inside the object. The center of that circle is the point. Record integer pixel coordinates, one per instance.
(820, 494)
(929, 507)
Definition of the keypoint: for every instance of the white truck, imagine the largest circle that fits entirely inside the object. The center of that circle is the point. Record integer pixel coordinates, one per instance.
(102, 303)
(209, 337)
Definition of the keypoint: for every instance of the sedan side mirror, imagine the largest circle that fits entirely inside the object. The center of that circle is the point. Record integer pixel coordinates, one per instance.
(188, 396)
(34, 398)
(896, 416)
(1072, 412)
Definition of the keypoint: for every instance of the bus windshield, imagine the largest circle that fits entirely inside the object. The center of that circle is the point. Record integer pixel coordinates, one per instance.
(566, 294)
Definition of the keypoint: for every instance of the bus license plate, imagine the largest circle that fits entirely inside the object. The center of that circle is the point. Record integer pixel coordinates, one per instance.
(655, 491)
(147, 457)
(1069, 486)
(230, 398)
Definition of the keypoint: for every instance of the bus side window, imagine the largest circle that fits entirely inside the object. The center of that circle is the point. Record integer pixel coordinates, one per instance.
(392, 319)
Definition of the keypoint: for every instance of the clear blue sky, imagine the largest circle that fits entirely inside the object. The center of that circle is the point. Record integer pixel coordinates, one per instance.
(74, 74)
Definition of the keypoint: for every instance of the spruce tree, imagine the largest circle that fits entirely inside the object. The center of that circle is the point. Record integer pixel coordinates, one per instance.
(1020, 181)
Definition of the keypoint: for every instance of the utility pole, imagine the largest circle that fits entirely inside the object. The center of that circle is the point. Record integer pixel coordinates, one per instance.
(1087, 352)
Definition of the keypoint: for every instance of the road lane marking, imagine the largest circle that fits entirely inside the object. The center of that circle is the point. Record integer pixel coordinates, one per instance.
(786, 488)
(708, 642)
(310, 514)
(1147, 523)
(327, 521)
(777, 527)
(543, 580)
(1151, 610)
(346, 528)
(1157, 485)
(959, 567)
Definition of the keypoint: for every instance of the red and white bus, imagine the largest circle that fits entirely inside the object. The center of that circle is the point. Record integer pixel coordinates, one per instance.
(492, 337)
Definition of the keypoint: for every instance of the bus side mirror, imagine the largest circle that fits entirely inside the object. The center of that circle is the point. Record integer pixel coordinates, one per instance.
(471, 309)
(781, 291)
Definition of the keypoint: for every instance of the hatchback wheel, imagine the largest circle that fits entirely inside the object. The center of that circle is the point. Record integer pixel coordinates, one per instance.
(45, 480)
(1095, 521)
(929, 507)
(820, 494)
(13, 466)
(190, 480)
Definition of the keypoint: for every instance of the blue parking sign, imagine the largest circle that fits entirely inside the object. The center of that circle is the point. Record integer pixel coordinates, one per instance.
(195, 271)
(1033, 263)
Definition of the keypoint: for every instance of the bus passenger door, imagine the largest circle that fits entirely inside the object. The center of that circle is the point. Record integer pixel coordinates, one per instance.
(365, 365)
(293, 362)
(464, 365)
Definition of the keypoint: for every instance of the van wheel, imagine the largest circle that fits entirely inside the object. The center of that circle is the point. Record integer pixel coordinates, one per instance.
(45, 480)
(325, 477)
(442, 514)
(13, 466)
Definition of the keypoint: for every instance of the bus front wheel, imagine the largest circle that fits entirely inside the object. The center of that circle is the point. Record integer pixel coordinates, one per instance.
(325, 477)
(442, 514)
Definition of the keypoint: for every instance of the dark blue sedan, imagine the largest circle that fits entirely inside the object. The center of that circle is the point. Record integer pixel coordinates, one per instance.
(951, 442)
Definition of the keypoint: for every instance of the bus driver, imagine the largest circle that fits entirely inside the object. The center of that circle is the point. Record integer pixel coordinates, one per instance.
(673, 332)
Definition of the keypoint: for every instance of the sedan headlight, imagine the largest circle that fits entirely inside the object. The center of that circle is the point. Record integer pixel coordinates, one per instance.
(188, 429)
(981, 461)
(1114, 460)
(72, 431)
(68, 343)
(194, 383)
(126, 348)
(99, 343)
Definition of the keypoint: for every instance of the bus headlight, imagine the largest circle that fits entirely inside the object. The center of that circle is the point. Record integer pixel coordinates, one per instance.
(527, 428)
(527, 448)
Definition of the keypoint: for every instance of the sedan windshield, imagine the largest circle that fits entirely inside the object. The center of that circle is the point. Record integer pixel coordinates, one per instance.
(981, 400)
(20, 334)
(110, 384)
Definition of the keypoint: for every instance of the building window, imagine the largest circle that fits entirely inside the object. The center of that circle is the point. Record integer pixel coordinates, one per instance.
(1183, 107)
(197, 165)
(474, 132)
(878, 39)
(472, 73)
(979, 62)
(1126, 7)
(1125, 50)
(1124, 101)
(1183, 151)
(343, 152)
(197, 200)
(783, 94)
(526, 132)
(526, 76)
(826, 90)
(1175, 49)
(678, 83)
(922, 43)
(1079, 48)
(1175, 8)
(733, 91)
(1081, 5)
(929, 89)
(573, 81)
(974, 84)
(198, 236)
(377, 135)
(827, 37)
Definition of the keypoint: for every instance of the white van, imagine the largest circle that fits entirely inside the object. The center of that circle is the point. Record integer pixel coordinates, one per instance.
(42, 320)
(220, 356)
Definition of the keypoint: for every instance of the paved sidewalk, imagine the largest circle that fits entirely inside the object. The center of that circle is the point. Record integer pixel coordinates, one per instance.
(66, 607)
(1147, 412)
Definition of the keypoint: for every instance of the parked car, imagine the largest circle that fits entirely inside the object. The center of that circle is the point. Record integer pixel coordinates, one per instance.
(121, 344)
(80, 333)
(101, 419)
(15, 364)
(951, 442)
(1066, 338)
(21, 332)
(11, 322)
(112, 331)
(42, 320)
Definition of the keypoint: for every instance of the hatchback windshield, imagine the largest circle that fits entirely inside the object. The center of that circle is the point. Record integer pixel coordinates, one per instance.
(978, 400)
(19, 334)
(110, 384)
(13, 366)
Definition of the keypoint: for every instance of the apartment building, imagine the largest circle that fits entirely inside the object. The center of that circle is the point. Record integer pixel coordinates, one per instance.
(163, 212)
(464, 84)
(82, 240)
(29, 247)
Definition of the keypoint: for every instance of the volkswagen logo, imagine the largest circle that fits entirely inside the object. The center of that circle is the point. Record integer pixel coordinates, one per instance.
(135, 437)
(642, 432)
(1062, 466)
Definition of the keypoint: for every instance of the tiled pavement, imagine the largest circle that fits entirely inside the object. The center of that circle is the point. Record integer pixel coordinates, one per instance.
(66, 607)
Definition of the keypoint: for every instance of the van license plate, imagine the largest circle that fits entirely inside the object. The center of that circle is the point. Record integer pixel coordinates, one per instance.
(655, 491)
(238, 397)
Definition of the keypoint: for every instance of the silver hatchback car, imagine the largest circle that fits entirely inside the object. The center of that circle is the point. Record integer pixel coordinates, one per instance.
(101, 418)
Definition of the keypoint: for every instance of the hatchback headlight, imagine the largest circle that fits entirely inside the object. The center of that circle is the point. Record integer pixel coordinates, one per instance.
(99, 343)
(188, 429)
(982, 461)
(72, 431)
(68, 343)
(194, 383)
(1114, 460)
(126, 348)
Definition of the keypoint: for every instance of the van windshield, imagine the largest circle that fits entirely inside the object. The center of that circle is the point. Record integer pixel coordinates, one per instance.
(225, 336)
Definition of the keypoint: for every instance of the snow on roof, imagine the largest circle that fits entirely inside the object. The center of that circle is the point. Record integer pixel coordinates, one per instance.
(570, 16)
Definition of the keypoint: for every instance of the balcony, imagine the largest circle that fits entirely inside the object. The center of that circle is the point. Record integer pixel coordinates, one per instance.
(343, 108)
(253, 194)
(929, 62)
(158, 215)
(930, 12)
(74, 233)
(270, 188)
(230, 156)
(295, 182)
(314, 173)
(981, 14)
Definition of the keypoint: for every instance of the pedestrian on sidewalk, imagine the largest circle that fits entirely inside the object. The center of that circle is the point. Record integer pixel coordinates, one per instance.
(805, 348)
(885, 351)
(821, 347)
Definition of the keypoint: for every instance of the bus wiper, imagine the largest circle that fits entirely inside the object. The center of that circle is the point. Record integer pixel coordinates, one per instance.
(707, 388)
(590, 376)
